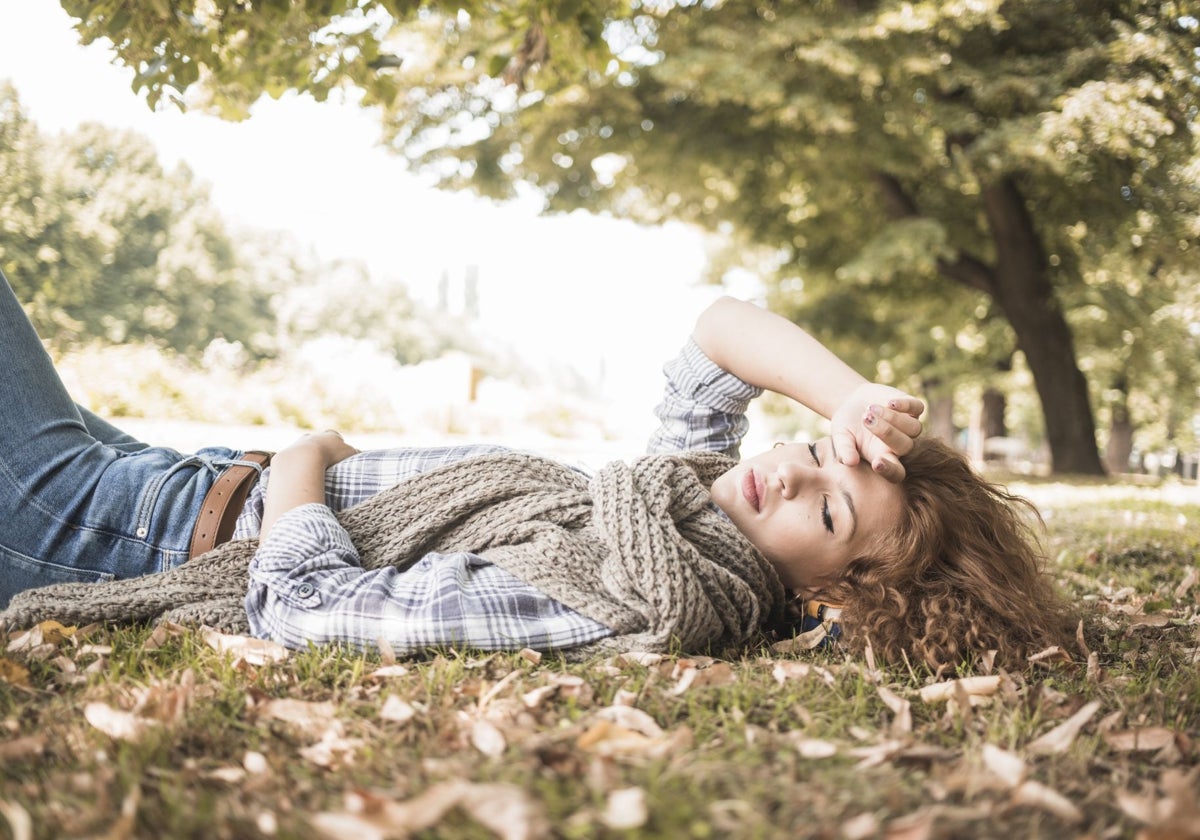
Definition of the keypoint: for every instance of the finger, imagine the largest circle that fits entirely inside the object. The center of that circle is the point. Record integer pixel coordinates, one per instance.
(907, 405)
(846, 448)
(890, 468)
(889, 435)
(906, 423)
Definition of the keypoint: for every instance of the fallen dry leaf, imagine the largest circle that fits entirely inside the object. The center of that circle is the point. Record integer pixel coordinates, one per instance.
(860, 827)
(901, 708)
(535, 697)
(229, 774)
(163, 631)
(972, 686)
(785, 669)
(386, 672)
(117, 724)
(387, 654)
(1006, 766)
(531, 656)
(806, 641)
(915, 826)
(333, 750)
(814, 747)
(1059, 739)
(625, 809)
(19, 821)
(1142, 738)
(13, 673)
(306, 717)
(1189, 580)
(397, 710)
(255, 763)
(246, 649)
(1050, 654)
(22, 748)
(486, 738)
(505, 809)
(1038, 795)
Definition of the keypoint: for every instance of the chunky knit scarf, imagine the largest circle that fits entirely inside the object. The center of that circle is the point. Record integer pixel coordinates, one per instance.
(638, 548)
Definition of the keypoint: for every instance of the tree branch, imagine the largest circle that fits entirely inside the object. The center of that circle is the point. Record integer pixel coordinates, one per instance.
(965, 269)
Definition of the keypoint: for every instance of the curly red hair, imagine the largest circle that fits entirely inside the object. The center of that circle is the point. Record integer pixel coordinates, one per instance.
(961, 574)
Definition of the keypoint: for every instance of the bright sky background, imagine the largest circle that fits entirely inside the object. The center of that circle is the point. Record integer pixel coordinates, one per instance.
(576, 289)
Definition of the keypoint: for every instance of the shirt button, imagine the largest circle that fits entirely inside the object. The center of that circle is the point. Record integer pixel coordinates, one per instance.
(305, 589)
(141, 532)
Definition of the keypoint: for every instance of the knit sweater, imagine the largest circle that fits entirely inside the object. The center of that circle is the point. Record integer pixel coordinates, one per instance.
(638, 547)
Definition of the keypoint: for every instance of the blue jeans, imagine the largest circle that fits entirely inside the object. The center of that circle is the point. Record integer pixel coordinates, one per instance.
(80, 500)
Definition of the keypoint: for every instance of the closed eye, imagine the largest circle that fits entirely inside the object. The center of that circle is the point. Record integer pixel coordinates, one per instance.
(826, 517)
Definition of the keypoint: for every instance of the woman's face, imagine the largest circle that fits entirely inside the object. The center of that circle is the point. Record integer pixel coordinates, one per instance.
(808, 513)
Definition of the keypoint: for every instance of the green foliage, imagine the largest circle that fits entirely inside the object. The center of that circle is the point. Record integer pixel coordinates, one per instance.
(936, 180)
(101, 243)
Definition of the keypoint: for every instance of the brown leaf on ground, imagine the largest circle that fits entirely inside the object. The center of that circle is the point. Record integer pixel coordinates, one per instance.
(625, 809)
(972, 686)
(901, 708)
(13, 673)
(1189, 580)
(1059, 739)
(1142, 738)
(386, 672)
(163, 631)
(718, 673)
(246, 649)
(786, 669)
(1173, 816)
(116, 723)
(915, 826)
(19, 821)
(1038, 795)
(488, 739)
(333, 750)
(397, 710)
(19, 749)
(307, 718)
(1006, 766)
(504, 809)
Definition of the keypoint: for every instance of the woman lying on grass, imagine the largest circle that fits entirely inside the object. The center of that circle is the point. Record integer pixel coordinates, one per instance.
(485, 547)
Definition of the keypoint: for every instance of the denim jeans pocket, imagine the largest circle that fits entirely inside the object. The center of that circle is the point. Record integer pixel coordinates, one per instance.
(19, 572)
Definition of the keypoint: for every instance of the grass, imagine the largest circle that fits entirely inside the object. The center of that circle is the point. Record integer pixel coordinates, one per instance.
(140, 733)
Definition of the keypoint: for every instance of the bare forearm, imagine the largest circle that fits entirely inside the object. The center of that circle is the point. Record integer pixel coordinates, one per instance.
(769, 351)
(298, 475)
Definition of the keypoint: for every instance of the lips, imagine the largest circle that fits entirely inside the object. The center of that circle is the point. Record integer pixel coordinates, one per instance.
(752, 490)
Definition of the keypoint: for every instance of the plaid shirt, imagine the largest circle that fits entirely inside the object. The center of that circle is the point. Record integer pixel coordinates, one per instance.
(307, 584)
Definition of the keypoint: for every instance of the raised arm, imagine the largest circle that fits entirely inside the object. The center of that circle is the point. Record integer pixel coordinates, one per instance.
(868, 420)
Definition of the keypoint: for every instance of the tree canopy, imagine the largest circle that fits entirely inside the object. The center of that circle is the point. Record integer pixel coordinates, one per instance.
(945, 185)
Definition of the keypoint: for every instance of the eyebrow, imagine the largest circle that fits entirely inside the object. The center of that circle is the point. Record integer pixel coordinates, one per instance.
(853, 514)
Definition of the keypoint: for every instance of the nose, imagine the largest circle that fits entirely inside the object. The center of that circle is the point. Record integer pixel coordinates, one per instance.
(793, 475)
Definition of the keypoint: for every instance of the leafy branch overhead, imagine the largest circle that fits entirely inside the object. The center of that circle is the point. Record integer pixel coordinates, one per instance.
(963, 183)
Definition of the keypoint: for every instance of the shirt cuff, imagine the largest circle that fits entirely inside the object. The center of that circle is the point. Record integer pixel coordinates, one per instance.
(699, 378)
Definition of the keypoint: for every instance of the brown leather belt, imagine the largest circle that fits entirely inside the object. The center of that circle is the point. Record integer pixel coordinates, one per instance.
(223, 504)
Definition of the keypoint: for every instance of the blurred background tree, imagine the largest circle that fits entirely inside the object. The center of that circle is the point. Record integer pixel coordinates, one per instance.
(958, 188)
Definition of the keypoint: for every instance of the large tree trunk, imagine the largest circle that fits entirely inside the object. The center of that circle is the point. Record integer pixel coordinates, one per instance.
(1023, 292)
(939, 419)
(1019, 285)
(1120, 432)
(992, 420)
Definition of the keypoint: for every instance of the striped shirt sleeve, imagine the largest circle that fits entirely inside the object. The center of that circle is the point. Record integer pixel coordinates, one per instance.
(703, 406)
